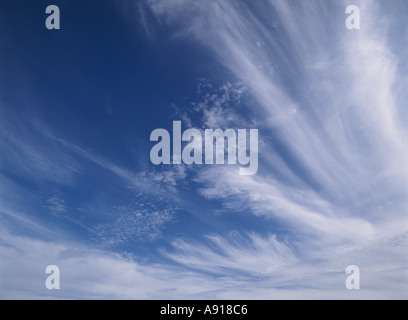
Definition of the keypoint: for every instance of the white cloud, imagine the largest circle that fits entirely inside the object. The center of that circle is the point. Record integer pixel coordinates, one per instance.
(56, 205)
(87, 273)
(345, 137)
(334, 142)
(142, 220)
(250, 255)
(215, 107)
(35, 153)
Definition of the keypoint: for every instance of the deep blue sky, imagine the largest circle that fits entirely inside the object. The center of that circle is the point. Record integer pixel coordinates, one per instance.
(101, 84)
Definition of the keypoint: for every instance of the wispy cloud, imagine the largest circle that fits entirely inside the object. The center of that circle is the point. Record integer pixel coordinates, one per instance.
(34, 152)
(86, 273)
(97, 274)
(31, 154)
(333, 140)
(250, 255)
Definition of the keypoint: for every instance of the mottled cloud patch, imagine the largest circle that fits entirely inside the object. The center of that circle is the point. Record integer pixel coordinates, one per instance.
(142, 220)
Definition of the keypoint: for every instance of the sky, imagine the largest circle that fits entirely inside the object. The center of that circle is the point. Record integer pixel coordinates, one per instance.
(78, 189)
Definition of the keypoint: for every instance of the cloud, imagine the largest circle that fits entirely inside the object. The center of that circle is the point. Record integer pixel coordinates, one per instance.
(250, 255)
(150, 181)
(345, 142)
(30, 154)
(56, 205)
(142, 220)
(215, 107)
(37, 155)
(88, 273)
(333, 140)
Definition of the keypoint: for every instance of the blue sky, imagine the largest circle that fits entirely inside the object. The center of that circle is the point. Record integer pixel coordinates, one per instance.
(78, 189)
